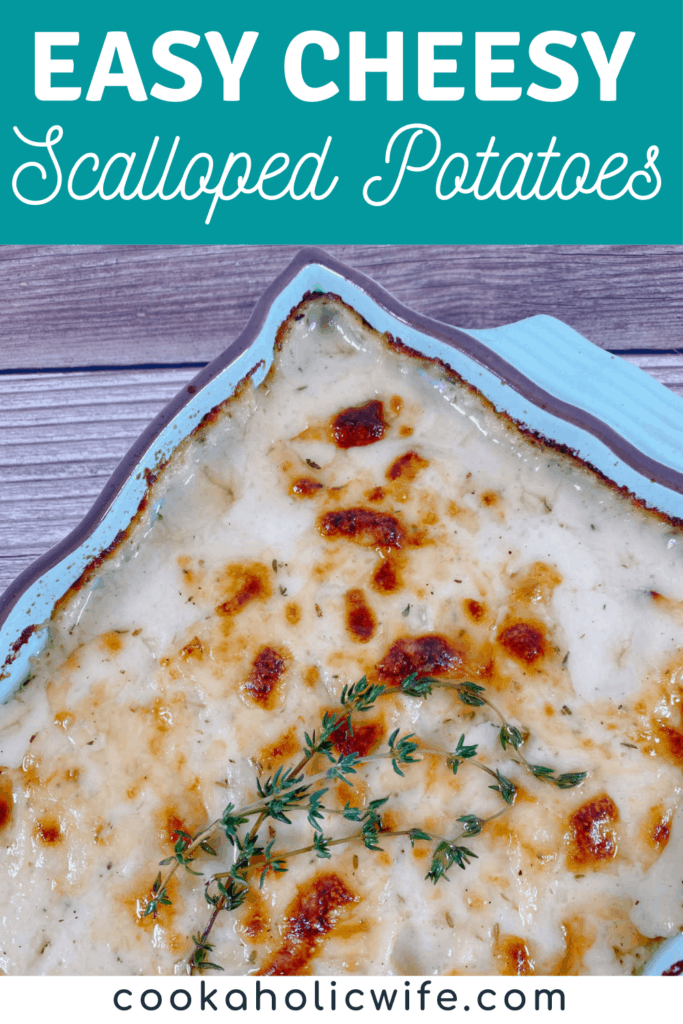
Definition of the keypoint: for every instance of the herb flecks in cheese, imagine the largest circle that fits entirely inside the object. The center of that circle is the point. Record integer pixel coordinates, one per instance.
(287, 564)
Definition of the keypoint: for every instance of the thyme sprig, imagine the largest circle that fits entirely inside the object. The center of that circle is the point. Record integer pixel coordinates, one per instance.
(296, 789)
(447, 851)
(359, 697)
(472, 694)
(503, 785)
(278, 796)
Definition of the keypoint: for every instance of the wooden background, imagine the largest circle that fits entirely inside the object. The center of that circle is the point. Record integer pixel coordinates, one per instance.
(95, 339)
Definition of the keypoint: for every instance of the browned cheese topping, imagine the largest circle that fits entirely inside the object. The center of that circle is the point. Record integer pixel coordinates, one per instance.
(593, 837)
(358, 426)
(363, 526)
(314, 912)
(264, 676)
(426, 655)
(361, 513)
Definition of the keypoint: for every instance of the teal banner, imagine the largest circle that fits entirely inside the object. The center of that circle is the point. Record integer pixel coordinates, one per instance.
(357, 122)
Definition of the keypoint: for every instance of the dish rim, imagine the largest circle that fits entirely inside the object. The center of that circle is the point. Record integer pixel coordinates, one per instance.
(454, 337)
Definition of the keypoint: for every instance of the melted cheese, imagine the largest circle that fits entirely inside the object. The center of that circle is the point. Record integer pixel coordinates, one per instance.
(361, 512)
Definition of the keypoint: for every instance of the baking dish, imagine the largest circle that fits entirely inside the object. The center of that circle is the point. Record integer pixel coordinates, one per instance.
(539, 372)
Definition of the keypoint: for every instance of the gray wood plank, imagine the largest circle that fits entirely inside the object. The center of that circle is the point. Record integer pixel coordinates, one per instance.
(70, 306)
(62, 434)
(666, 367)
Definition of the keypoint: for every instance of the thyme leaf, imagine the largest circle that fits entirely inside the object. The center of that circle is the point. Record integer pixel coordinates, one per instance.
(446, 855)
(506, 788)
(509, 735)
(321, 845)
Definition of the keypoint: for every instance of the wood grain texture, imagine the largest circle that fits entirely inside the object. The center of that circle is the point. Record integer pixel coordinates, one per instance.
(666, 367)
(70, 306)
(116, 307)
(62, 434)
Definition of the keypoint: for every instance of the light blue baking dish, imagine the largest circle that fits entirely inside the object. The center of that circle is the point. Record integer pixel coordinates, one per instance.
(539, 371)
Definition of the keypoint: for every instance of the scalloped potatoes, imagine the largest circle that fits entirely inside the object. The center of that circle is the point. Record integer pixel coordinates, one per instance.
(361, 512)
